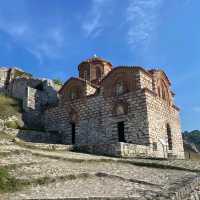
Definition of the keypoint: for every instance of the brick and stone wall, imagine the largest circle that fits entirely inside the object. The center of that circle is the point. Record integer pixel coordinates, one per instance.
(93, 109)
(90, 90)
(96, 122)
(145, 116)
(159, 115)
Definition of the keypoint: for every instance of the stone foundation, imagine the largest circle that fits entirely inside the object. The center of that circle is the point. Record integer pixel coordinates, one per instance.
(121, 149)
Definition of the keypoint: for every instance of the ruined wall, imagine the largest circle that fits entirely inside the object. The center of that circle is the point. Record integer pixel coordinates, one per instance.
(4, 72)
(17, 88)
(33, 103)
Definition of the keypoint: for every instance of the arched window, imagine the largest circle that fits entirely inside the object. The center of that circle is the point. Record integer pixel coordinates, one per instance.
(163, 94)
(98, 73)
(119, 88)
(159, 92)
(85, 75)
(73, 93)
(169, 137)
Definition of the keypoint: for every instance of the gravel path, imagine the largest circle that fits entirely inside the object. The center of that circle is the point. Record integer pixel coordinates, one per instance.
(69, 174)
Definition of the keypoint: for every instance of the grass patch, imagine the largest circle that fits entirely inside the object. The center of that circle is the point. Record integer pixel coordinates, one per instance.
(12, 124)
(5, 136)
(190, 155)
(9, 107)
(7, 182)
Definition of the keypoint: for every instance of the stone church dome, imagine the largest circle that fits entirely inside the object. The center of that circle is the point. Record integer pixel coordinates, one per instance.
(94, 69)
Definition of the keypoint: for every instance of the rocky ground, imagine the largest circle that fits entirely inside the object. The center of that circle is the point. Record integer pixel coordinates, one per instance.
(64, 174)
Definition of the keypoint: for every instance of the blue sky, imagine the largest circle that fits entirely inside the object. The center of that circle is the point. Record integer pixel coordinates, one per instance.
(50, 38)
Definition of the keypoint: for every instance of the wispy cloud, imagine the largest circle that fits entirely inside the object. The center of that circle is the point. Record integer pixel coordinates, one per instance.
(48, 43)
(196, 109)
(93, 24)
(142, 19)
(41, 40)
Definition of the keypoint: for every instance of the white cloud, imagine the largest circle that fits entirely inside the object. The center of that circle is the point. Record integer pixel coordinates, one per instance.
(40, 42)
(196, 109)
(93, 25)
(142, 17)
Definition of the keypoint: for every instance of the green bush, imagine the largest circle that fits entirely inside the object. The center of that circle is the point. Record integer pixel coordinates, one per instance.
(57, 81)
(7, 183)
(12, 124)
(9, 107)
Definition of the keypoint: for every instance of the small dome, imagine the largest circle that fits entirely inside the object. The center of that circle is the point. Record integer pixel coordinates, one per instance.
(94, 69)
(95, 59)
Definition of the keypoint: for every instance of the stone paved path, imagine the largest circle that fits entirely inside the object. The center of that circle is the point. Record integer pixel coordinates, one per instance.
(69, 174)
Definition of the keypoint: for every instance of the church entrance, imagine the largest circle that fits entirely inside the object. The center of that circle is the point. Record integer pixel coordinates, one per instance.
(73, 129)
(120, 126)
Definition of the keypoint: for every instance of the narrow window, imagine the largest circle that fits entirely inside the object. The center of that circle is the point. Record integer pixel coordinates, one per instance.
(163, 94)
(119, 88)
(85, 75)
(73, 94)
(169, 137)
(73, 129)
(159, 93)
(121, 136)
(98, 73)
(155, 146)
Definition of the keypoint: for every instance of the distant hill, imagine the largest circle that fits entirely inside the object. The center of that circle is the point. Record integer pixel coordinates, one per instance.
(192, 143)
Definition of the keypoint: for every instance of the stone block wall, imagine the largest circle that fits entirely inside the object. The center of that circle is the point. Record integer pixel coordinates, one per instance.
(159, 115)
(33, 103)
(90, 90)
(39, 137)
(4, 72)
(96, 118)
(17, 88)
(118, 149)
(96, 121)
(145, 80)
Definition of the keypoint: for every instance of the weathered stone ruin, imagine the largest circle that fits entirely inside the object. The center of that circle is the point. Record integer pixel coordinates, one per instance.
(35, 93)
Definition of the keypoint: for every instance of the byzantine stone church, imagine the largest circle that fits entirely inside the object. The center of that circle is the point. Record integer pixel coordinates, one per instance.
(120, 111)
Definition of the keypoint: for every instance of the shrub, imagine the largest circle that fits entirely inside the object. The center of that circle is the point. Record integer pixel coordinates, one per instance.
(7, 183)
(9, 107)
(12, 124)
(57, 81)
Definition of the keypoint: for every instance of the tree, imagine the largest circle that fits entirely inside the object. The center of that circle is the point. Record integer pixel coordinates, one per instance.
(57, 81)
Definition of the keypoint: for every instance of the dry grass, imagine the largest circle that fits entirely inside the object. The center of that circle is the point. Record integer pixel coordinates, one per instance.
(9, 107)
(190, 155)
